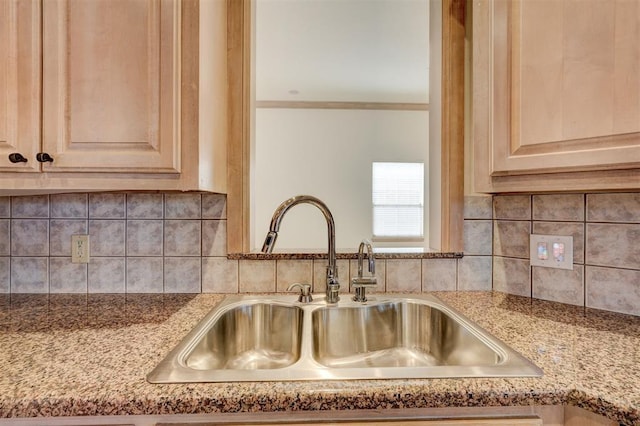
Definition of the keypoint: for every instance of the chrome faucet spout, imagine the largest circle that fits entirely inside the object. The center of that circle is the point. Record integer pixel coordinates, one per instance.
(371, 260)
(360, 283)
(333, 285)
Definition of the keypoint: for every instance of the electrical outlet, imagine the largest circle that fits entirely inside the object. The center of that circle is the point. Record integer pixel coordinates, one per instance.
(551, 251)
(80, 248)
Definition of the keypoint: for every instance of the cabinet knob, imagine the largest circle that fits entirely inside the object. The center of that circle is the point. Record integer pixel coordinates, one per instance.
(16, 157)
(43, 157)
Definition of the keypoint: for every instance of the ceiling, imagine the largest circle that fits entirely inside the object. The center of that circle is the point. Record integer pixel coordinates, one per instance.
(342, 50)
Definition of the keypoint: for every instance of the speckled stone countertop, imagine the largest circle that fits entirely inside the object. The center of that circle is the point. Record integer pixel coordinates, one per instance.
(64, 355)
(309, 254)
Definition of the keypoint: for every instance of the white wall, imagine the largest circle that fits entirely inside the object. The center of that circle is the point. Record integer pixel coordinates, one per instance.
(334, 50)
(328, 154)
(342, 50)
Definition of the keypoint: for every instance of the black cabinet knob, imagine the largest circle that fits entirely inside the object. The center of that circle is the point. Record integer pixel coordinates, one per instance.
(16, 157)
(43, 157)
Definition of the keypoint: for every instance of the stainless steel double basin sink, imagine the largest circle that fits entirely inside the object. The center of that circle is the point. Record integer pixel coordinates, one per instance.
(276, 338)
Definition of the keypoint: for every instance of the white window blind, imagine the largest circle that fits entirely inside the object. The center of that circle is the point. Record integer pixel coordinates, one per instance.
(398, 200)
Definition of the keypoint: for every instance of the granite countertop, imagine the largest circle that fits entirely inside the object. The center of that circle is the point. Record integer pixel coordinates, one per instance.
(322, 254)
(70, 355)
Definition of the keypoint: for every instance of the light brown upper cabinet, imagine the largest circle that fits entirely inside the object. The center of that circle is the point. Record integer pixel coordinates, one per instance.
(110, 92)
(556, 95)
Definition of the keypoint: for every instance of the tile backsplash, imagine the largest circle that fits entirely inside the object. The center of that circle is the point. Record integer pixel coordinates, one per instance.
(139, 242)
(606, 264)
(176, 243)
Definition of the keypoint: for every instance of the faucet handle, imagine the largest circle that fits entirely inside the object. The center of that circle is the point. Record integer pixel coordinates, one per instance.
(360, 285)
(305, 292)
(363, 282)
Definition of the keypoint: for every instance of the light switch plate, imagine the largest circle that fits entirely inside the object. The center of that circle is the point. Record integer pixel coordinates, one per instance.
(80, 248)
(551, 251)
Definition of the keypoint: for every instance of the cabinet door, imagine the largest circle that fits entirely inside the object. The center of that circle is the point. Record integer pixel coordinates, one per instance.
(111, 87)
(19, 83)
(557, 91)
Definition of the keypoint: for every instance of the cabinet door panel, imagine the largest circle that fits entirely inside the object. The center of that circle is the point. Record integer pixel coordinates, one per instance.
(19, 83)
(566, 86)
(111, 87)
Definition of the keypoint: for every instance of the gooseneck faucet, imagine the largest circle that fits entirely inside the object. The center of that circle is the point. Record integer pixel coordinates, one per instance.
(333, 286)
(360, 283)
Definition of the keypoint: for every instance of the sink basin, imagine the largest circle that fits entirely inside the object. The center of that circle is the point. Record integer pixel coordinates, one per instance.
(396, 334)
(275, 338)
(249, 337)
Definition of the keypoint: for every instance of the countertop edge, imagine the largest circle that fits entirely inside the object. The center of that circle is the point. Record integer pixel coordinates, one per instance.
(392, 399)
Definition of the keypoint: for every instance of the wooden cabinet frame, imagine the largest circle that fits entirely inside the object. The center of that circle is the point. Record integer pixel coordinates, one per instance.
(20, 106)
(452, 149)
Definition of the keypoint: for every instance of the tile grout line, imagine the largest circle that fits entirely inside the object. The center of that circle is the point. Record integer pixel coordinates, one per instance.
(530, 232)
(584, 250)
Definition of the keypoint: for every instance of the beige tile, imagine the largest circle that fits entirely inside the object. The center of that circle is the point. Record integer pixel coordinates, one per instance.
(624, 207)
(145, 275)
(5, 232)
(380, 274)
(61, 231)
(182, 206)
(320, 275)
(475, 273)
(511, 276)
(29, 275)
(478, 237)
(613, 245)
(558, 207)
(5, 270)
(404, 275)
(5, 207)
(214, 206)
(293, 271)
(439, 274)
(182, 237)
(257, 276)
(30, 207)
(107, 237)
(106, 275)
(576, 230)
(145, 206)
(144, 237)
(511, 238)
(613, 289)
(478, 207)
(182, 275)
(73, 206)
(67, 277)
(107, 206)
(559, 285)
(515, 207)
(29, 237)
(214, 237)
(219, 275)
